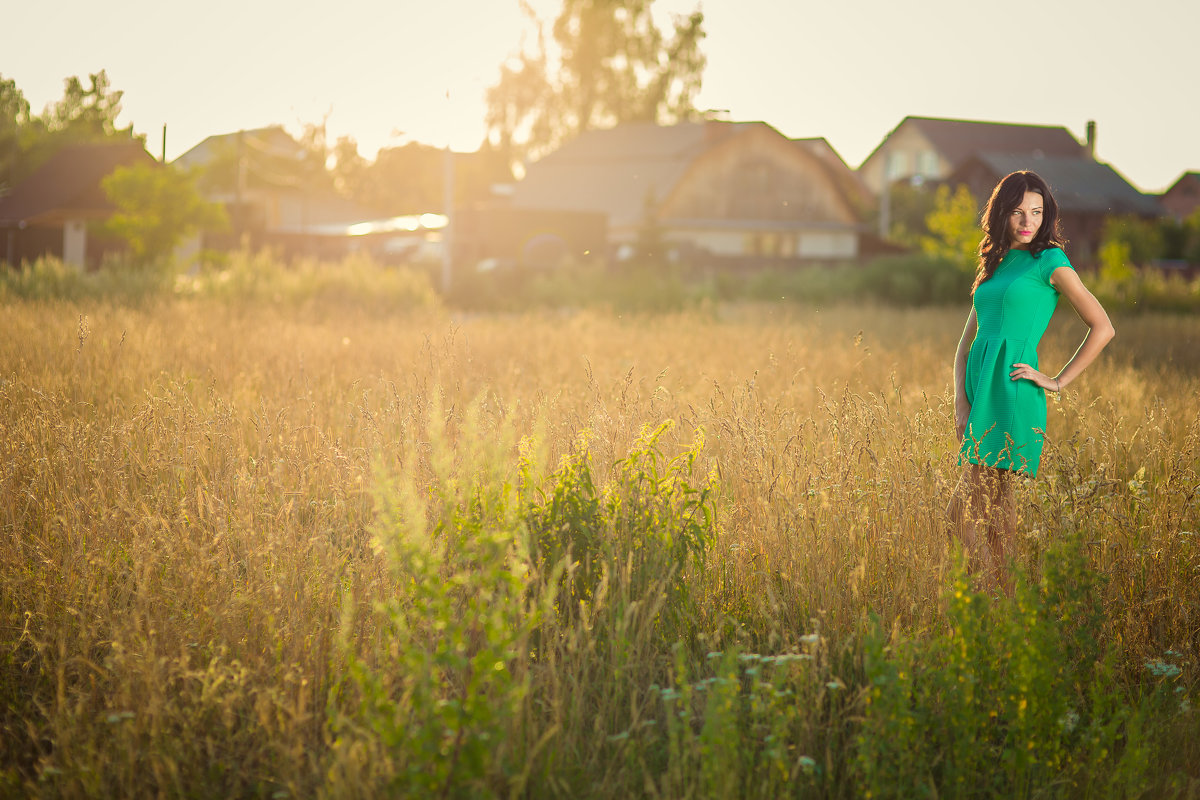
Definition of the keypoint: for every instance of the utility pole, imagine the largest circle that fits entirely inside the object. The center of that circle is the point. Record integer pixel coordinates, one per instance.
(885, 207)
(448, 230)
(239, 189)
(885, 197)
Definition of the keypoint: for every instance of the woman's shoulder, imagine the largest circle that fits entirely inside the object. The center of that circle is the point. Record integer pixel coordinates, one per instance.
(1051, 259)
(1055, 254)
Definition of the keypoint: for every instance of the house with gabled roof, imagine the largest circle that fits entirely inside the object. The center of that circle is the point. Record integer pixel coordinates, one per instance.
(726, 190)
(927, 150)
(1087, 192)
(1183, 198)
(272, 191)
(930, 148)
(50, 212)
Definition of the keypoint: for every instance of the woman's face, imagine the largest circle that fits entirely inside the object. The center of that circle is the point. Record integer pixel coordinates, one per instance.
(1024, 221)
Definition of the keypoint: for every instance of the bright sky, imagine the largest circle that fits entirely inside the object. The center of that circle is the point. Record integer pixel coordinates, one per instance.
(390, 71)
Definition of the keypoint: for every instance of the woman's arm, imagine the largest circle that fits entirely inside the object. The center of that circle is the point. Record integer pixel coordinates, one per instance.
(1100, 333)
(962, 408)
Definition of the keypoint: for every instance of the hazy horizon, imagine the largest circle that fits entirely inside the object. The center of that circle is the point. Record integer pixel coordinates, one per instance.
(387, 73)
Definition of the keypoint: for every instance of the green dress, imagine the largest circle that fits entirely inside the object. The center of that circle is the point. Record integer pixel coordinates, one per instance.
(1012, 308)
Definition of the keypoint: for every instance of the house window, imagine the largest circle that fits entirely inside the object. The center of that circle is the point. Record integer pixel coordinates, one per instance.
(770, 245)
(897, 164)
(927, 164)
(750, 245)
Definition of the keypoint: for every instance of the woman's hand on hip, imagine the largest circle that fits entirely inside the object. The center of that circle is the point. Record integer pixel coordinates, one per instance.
(1024, 372)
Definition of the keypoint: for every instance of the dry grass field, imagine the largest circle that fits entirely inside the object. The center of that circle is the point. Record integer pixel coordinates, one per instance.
(251, 549)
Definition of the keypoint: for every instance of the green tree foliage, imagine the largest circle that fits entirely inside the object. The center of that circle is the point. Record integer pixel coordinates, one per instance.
(348, 167)
(1142, 239)
(84, 114)
(650, 246)
(410, 178)
(87, 114)
(1189, 238)
(1131, 242)
(14, 121)
(610, 63)
(953, 226)
(156, 208)
(910, 206)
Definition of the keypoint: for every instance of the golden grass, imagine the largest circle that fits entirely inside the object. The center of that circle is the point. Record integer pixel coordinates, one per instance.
(187, 494)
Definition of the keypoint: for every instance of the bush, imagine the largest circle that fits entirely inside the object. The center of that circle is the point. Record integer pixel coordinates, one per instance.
(1145, 289)
(497, 576)
(1012, 698)
(51, 279)
(911, 280)
(625, 290)
(355, 283)
(907, 280)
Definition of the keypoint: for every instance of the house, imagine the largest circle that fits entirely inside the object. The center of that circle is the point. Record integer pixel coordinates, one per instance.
(1183, 198)
(726, 192)
(1087, 193)
(49, 213)
(274, 192)
(929, 148)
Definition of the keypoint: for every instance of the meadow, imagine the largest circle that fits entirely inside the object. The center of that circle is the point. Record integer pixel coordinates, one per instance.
(347, 542)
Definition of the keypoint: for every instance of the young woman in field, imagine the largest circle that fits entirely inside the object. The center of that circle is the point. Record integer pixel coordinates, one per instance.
(999, 391)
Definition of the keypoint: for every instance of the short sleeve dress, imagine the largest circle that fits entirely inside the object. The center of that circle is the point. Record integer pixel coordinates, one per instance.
(1012, 308)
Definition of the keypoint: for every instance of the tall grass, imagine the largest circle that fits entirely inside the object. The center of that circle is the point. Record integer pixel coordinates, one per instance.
(280, 549)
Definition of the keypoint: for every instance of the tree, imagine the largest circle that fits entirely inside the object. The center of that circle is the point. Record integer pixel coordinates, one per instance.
(157, 207)
(910, 206)
(1190, 245)
(87, 115)
(650, 247)
(953, 227)
(349, 168)
(84, 114)
(612, 64)
(14, 122)
(1142, 240)
(411, 178)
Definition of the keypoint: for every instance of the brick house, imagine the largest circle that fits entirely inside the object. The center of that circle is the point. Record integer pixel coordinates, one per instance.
(1183, 198)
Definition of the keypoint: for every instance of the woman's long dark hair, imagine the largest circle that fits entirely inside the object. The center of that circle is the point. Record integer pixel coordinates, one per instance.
(1007, 195)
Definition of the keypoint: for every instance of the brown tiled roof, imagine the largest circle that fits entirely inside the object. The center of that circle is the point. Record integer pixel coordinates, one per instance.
(1187, 177)
(68, 184)
(612, 170)
(1079, 184)
(847, 179)
(958, 139)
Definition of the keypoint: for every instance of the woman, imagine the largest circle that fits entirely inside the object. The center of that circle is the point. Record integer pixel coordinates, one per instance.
(999, 392)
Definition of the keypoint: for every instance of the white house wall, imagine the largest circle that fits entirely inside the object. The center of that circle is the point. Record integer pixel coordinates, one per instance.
(822, 244)
(906, 152)
(722, 243)
(75, 243)
(808, 244)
